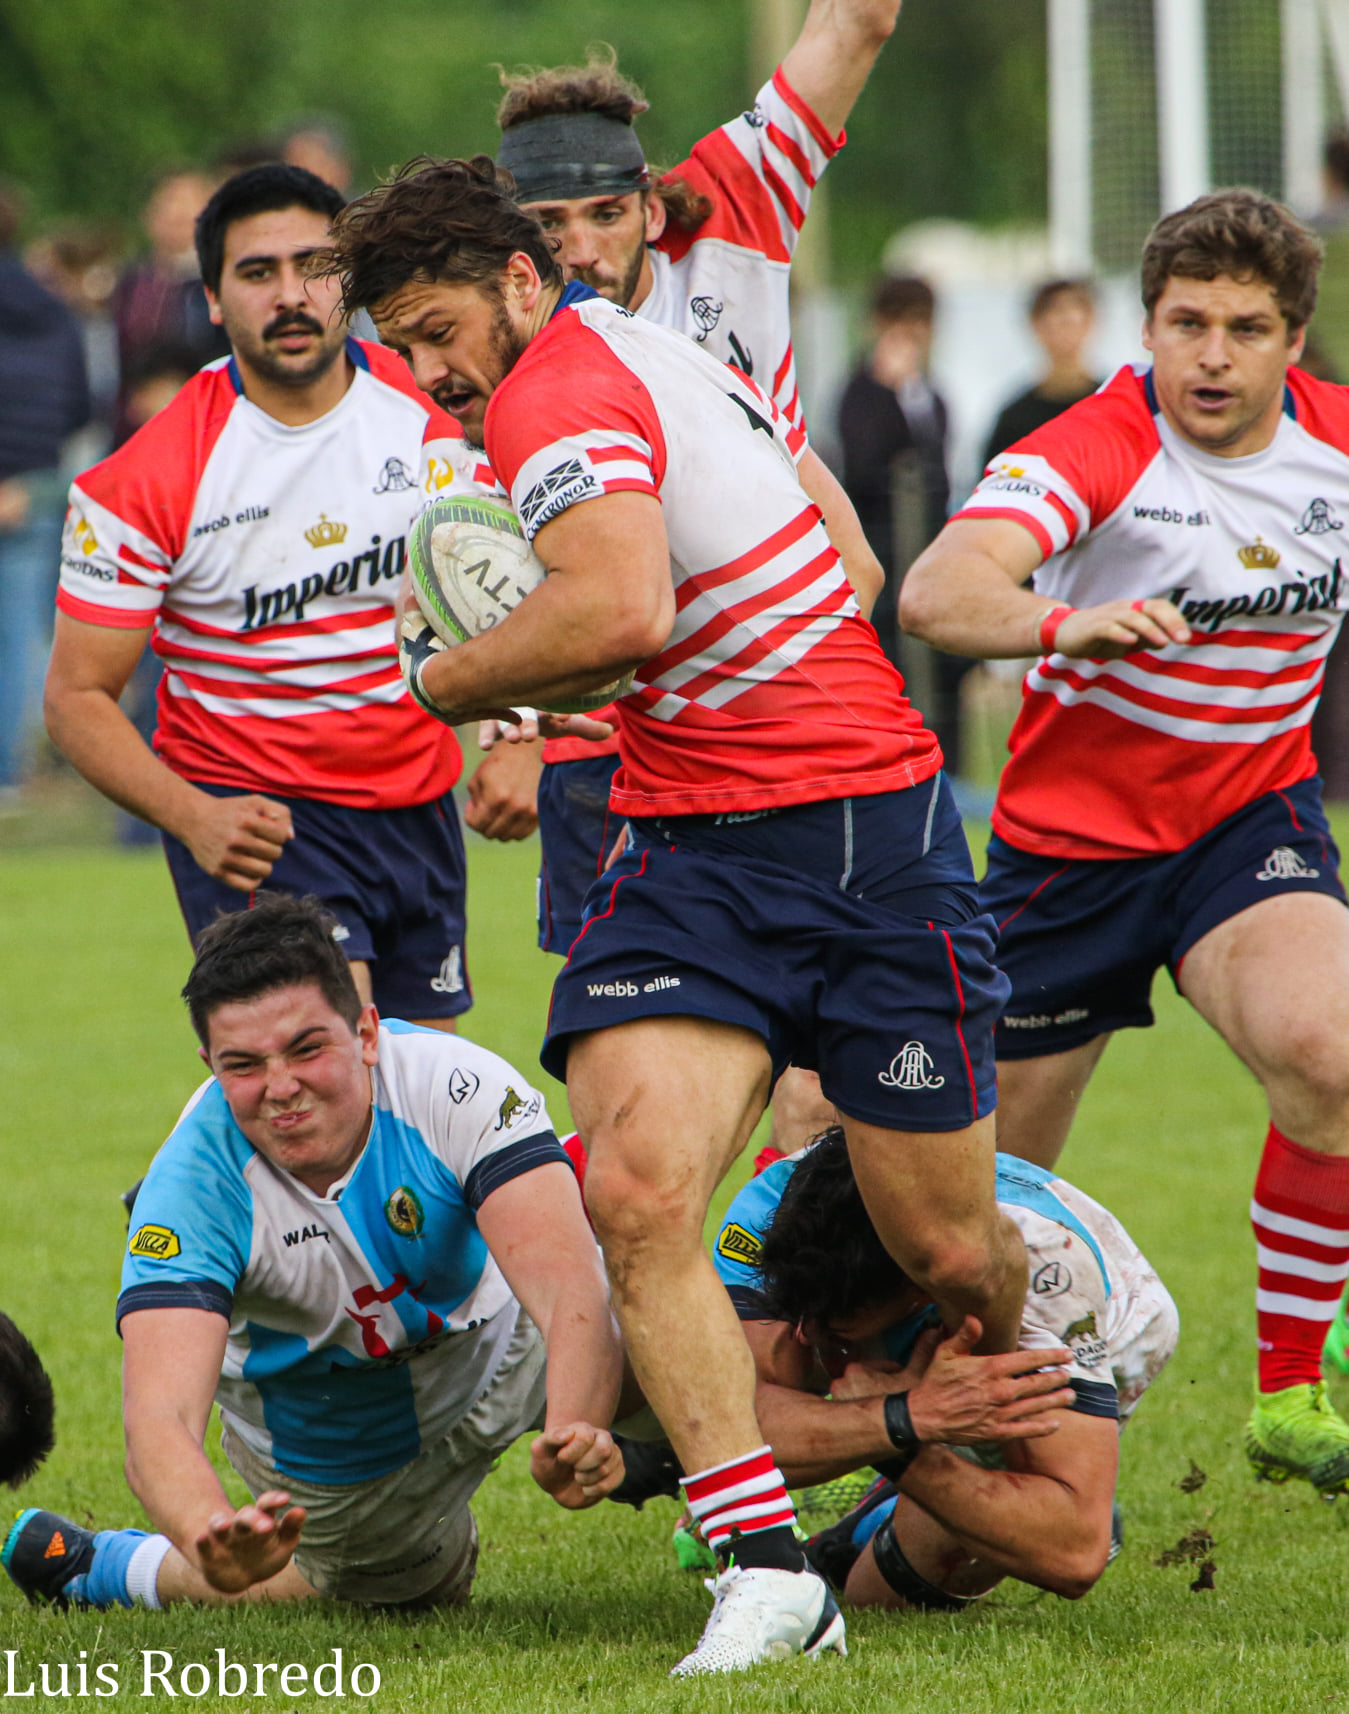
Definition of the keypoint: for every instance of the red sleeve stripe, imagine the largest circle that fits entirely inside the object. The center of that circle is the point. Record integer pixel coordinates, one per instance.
(790, 206)
(608, 454)
(630, 485)
(131, 557)
(789, 147)
(976, 514)
(781, 375)
(813, 123)
(1066, 513)
(114, 618)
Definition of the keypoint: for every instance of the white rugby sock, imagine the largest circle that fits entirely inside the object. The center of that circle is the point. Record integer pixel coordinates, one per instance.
(142, 1573)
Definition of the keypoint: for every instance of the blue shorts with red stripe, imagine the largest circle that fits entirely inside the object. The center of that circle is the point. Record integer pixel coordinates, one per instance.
(1082, 939)
(577, 831)
(847, 934)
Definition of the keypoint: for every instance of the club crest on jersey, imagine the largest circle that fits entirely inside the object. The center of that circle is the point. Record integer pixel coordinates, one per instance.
(85, 537)
(395, 478)
(463, 1085)
(739, 1245)
(511, 1104)
(1285, 864)
(1318, 520)
(155, 1243)
(404, 1213)
(1259, 556)
(325, 533)
(911, 1068)
(706, 312)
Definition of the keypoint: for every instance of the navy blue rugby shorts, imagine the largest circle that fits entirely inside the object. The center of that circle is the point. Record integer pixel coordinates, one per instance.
(577, 831)
(393, 878)
(847, 934)
(1081, 939)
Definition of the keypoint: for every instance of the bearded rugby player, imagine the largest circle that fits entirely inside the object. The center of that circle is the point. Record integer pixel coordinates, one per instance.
(1182, 532)
(706, 248)
(796, 887)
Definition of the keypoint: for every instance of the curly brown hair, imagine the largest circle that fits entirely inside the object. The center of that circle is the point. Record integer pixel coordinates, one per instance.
(1243, 234)
(541, 92)
(434, 220)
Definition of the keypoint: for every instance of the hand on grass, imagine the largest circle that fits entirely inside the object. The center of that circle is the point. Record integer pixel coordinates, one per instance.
(238, 1549)
(577, 1464)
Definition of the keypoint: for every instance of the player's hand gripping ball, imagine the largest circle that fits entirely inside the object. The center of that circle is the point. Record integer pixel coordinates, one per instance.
(471, 566)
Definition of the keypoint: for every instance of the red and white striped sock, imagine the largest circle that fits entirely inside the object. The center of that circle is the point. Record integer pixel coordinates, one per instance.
(739, 1498)
(1300, 1212)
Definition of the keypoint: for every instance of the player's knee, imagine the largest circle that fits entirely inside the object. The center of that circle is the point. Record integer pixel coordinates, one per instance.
(1317, 1060)
(631, 1210)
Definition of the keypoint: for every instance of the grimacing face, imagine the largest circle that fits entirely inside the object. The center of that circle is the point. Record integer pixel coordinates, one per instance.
(1221, 351)
(284, 324)
(296, 1076)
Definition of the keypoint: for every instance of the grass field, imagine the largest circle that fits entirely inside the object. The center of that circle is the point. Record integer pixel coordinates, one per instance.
(590, 1611)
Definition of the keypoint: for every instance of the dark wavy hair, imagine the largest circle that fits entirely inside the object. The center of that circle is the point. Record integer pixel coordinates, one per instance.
(27, 1409)
(821, 1259)
(1243, 234)
(279, 942)
(434, 220)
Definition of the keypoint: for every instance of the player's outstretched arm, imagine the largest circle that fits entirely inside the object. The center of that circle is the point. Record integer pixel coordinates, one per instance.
(860, 565)
(832, 58)
(965, 595)
(235, 839)
(170, 1365)
(606, 606)
(536, 1228)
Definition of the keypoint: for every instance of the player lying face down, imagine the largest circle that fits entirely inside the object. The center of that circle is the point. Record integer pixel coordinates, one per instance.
(852, 1372)
(365, 1242)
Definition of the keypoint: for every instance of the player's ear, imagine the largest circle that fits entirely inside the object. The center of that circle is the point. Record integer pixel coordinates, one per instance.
(367, 1031)
(213, 307)
(656, 216)
(1147, 333)
(1297, 341)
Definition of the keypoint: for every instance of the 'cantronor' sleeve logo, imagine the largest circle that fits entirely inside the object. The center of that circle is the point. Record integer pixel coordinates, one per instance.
(155, 1243)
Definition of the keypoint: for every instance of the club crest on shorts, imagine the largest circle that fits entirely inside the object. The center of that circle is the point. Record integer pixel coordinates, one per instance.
(911, 1068)
(404, 1212)
(1285, 864)
(450, 979)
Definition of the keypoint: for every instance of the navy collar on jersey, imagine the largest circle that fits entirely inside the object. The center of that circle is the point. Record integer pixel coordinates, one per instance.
(1150, 393)
(355, 351)
(575, 293)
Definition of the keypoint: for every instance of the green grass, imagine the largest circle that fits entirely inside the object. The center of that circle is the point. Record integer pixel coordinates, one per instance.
(590, 1611)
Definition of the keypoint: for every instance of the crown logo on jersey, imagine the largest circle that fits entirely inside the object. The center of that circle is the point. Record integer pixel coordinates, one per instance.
(325, 533)
(1259, 556)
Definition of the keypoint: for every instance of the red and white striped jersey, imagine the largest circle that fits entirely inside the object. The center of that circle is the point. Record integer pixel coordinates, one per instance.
(267, 559)
(771, 688)
(725, 285)
(1127, 757)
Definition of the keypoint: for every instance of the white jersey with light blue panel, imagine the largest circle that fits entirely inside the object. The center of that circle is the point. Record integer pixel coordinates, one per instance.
(1090, 1287)
(365, 1323)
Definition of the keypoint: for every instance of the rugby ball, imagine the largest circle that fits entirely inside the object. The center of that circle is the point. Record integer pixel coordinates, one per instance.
(471, 566)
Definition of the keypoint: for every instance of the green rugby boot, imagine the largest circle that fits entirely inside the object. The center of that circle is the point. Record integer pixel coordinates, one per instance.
(1335, 1351)
(1298, 1432)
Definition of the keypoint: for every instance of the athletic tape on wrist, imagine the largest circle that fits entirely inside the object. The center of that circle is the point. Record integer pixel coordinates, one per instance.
(1048, 628)
(903, 1437)
(907, 1583)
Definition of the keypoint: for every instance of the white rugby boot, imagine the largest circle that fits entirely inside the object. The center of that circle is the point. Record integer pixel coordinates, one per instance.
(759, 1615)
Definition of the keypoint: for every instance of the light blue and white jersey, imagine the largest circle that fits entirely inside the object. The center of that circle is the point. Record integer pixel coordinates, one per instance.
(1090, 1287)
(363, 1323)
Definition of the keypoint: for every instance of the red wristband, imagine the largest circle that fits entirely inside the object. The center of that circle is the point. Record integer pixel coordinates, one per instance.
(1049, 627)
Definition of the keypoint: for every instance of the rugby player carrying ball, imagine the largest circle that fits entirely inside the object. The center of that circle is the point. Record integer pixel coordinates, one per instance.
(797, 885)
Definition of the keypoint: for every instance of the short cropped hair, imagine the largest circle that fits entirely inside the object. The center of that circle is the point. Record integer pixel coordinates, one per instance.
(435, 220)
(1243, 234)
(822, 1259)
(27, 1409)
(1047, 294)
(278, 943)
(903, 297)
(257, 190)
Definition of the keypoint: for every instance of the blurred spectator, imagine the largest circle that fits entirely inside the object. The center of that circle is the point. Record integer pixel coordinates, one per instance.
(1062, 318)
(319, 145)
(160, 299)
(44, 398)
(891, 412)
(244, 152)
(79, 262)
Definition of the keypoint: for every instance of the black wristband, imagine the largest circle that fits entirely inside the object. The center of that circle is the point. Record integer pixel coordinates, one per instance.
(899, 1423)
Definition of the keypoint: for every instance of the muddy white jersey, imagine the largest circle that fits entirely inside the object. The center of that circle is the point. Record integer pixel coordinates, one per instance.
(771, 689)
(266, 558)
(1123, 758)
